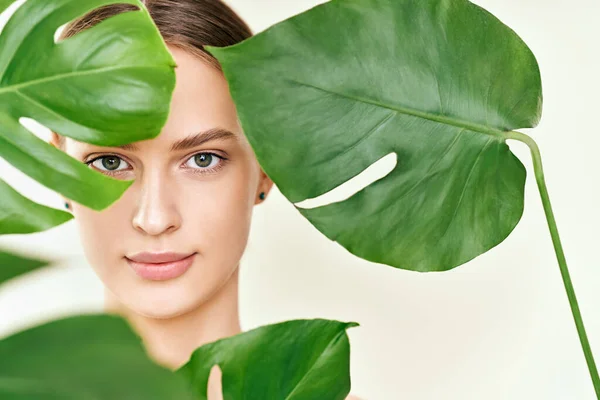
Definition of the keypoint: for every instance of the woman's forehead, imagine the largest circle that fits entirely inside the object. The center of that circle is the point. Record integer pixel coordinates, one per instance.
(201, 98)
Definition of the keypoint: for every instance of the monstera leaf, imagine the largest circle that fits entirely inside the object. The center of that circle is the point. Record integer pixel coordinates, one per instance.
(437, 82)
(83, 357)
(108, 85)
(100, 357)
(440, 84)
(294, 360)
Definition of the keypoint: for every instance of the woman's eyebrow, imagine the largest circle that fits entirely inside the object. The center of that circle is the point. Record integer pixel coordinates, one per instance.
(193, 140)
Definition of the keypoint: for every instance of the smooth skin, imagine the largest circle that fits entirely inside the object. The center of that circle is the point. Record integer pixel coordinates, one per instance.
(198, 199)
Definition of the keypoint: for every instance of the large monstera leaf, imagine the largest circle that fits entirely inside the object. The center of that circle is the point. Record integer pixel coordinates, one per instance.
(292, 360)
(108, 85)
(84, 357)
(325, 94)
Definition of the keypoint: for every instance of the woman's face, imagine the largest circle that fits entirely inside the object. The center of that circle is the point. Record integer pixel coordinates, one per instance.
(189, 200)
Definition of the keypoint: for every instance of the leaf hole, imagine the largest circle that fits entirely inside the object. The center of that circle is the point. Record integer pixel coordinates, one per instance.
(58, 32)
(374, 172)
(214, 389)
(36, 128)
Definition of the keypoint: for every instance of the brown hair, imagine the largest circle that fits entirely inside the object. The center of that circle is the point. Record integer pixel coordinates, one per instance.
(186, 24)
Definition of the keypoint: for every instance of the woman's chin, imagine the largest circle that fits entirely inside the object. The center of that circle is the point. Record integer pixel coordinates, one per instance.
(168, 310)
(158, 303)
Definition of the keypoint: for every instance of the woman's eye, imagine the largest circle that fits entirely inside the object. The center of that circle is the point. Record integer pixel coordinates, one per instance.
(205, 162)
(108, 164)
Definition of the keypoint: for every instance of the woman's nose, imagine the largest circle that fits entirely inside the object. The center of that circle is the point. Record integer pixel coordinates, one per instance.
(156, 211)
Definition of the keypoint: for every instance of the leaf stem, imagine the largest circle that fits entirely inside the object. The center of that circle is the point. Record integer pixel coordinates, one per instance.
(539, 176)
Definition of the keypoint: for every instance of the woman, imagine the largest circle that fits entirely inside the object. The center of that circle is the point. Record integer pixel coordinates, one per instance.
(191, 204)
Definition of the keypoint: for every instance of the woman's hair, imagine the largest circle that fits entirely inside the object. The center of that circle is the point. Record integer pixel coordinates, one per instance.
(186, 24)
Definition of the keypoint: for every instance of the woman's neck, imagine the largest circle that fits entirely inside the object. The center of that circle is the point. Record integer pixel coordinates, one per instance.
(171, 342)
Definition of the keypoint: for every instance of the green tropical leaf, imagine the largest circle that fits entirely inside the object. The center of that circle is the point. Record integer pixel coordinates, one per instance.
(292, 360)
(108, 85)
(83, 357)
(437, 82)
(13, 265)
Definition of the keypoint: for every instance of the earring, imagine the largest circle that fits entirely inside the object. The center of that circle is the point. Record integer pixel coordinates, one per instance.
(66, 205)
(262, 195)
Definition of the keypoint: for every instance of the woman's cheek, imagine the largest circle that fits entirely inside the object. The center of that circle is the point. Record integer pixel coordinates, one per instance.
(101, 235)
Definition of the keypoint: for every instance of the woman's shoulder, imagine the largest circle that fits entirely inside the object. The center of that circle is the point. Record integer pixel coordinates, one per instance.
(350, 397)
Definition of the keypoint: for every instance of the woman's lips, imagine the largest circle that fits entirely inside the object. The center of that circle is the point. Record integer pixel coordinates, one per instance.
(162, 271)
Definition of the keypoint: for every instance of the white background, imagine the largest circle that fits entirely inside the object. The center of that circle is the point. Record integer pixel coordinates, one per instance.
(498, 327)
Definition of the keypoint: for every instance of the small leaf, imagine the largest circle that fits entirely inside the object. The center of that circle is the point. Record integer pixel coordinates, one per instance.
(83, 357)
(292, 360)
(21, 215)
(327, 93)
(12, 265)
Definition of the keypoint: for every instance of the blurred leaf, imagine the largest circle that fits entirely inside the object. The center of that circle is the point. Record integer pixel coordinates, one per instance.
(437, 82)
(293, 360)
(83, 357)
